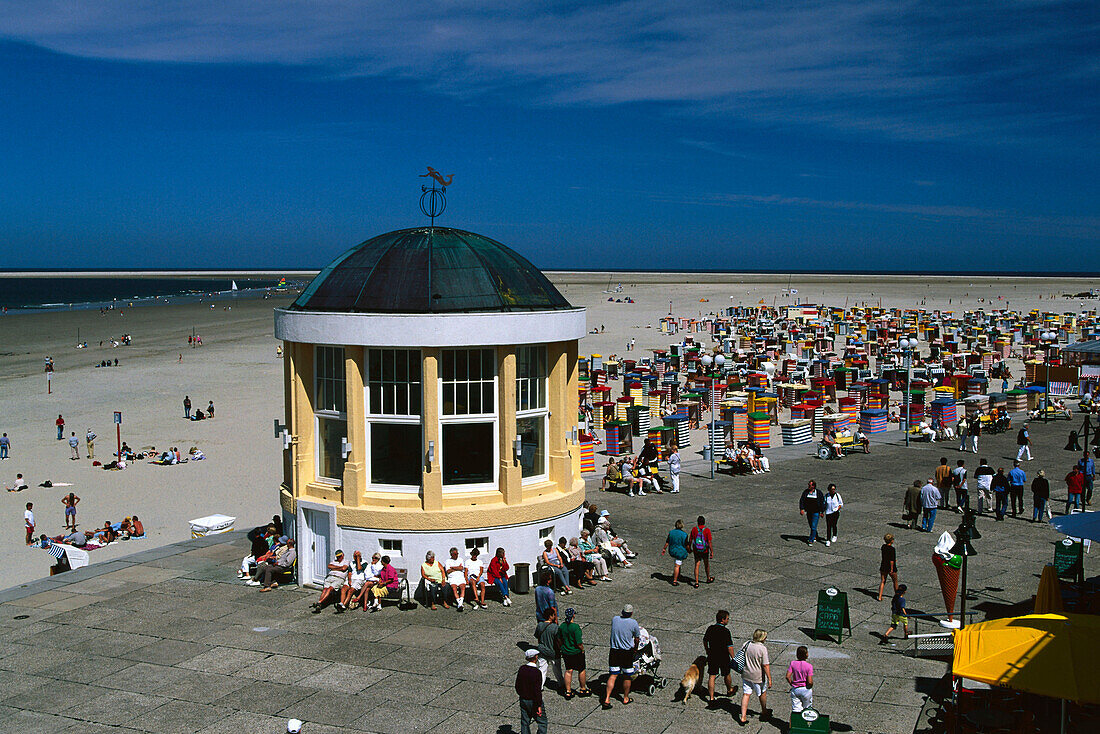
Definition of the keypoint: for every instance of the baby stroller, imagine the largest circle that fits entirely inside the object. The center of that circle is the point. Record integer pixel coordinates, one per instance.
(647, 660)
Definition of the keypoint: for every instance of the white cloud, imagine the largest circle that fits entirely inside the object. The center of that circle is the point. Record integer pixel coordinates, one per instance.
(904, 68)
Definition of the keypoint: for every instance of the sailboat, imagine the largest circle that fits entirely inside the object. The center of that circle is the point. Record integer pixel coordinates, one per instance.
(234, 286)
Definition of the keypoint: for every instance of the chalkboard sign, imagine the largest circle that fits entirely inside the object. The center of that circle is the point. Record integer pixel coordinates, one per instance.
(832, 614)
(1069, 560)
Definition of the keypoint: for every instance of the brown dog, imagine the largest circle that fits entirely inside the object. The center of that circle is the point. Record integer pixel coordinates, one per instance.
(692, 678)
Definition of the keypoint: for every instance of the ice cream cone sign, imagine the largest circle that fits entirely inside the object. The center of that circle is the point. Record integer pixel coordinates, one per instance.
(947, 571)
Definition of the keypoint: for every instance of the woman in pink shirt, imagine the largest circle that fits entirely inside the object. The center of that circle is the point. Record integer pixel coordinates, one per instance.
(800, 675)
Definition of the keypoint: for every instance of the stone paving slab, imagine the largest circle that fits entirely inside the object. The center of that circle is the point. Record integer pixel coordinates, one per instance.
(168, 640)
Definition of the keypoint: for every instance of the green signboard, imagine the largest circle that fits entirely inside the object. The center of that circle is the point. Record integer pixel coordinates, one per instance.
(1069, 559)
(832, 614)
(809, 721)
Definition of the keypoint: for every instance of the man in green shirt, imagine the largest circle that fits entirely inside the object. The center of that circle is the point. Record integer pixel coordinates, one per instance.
(572, 653)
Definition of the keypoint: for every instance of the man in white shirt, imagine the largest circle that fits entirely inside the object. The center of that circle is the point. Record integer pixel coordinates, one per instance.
(28, 520)
(929, 501)
(476, 579)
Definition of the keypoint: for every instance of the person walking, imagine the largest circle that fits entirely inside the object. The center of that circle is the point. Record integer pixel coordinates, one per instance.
(625, 635)
(898, 615)
(674, 470)
(833, 505)
(546, 632)
(929, 502)
(999, 485)
(74, 446)
(69, 502)
(963, 426)
(1017, 478)
(60, 423)
(1088, 469)
(983, 475)
(571, 647)
(888, 564)
(1023, 440)
(958, 482)
(89, 440)
(28, 522)
(1075, 485)
(757, 676)
(187, 407)
(811, 505)
(1040, 497)
(544, 596)
(975, 430)
(718, 645)
(529, 690)
(913, 508)
(943, 482)
(701, 543)
(800, 674)
(5, 444)
(677, 547)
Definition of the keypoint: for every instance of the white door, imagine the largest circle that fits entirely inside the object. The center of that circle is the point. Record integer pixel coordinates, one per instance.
(318, 524)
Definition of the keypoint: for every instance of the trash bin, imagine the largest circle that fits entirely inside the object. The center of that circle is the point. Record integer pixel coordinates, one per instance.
(523, 578)
(706, 453)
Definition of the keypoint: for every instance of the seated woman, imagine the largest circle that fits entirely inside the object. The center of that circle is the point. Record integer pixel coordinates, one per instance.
(476, 578)
(862, 438)
(431, 574)
(606, 542)
(196, 454)
(498, 574)
(555, 564)
(352, 592)
(830, 438)
(592, 554)
(577, 563)
(370, 578)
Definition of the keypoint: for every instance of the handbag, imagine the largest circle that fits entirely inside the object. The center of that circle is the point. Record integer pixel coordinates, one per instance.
(739, 660)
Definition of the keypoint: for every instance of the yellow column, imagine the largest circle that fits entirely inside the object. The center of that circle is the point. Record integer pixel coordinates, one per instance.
(355, 469)
(511, 474)
(560, 419)
(288, 412)
(302, 427)
(572, 405)
(432, 479)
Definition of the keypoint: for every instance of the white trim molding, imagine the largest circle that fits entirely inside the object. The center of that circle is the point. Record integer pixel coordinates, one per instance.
(430, 330)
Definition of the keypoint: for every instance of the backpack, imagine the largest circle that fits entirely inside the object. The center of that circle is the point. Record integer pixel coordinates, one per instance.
(699, 544)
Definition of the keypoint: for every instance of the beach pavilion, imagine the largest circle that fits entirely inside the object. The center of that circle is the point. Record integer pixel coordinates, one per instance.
(430, 383)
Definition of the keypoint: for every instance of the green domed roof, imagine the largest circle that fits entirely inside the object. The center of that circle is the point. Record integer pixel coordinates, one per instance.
(430, 270)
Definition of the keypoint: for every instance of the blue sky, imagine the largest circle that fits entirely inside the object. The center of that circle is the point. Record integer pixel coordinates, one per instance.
(817, 135)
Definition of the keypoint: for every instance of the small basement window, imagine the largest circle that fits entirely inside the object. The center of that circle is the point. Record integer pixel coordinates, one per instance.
(390, 547)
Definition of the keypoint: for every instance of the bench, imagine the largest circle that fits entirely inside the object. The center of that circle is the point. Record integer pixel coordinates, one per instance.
(848, 445)
(734, 468)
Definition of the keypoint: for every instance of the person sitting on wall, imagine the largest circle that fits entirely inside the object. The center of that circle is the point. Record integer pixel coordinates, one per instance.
(431, 575)
(456, 577)
(388, 582)
(279, 560)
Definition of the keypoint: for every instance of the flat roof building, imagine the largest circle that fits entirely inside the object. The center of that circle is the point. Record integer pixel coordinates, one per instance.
(430, 384)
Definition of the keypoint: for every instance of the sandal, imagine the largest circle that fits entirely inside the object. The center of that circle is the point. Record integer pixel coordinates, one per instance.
(710, 579)
(627, 701)
(569, 695)
(583, 692)
(675, 583)
(695, 584)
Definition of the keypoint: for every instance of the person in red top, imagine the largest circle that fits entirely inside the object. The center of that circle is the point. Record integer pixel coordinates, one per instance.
(60, 423)
(702, 545)
(1075, 483)
(498, 574)
(388, 581)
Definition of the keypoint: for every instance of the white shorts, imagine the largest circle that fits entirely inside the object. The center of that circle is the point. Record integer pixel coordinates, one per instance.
(801, 698)
(679, 561)
(454, 578)
(752, 689)
(357, 584)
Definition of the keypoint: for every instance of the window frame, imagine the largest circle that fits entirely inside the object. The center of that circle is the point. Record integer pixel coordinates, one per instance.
(542, 411)
(371, 419)
(320, 414)
(492, 418)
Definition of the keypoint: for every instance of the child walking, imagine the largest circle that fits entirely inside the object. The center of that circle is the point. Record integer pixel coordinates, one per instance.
(898, 615)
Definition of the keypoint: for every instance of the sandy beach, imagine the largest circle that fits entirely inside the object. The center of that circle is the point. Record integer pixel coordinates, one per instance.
(238, 369)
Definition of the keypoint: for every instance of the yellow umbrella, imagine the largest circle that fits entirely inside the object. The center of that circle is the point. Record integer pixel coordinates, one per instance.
(1049, 598)
(1048, 654)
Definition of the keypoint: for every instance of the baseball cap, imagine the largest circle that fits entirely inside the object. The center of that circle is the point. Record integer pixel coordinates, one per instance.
(339, 553)
(531, 654)
(628, 608)
(294, 726)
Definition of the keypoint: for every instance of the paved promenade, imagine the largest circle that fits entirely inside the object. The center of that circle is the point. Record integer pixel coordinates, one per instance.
(168, 641)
